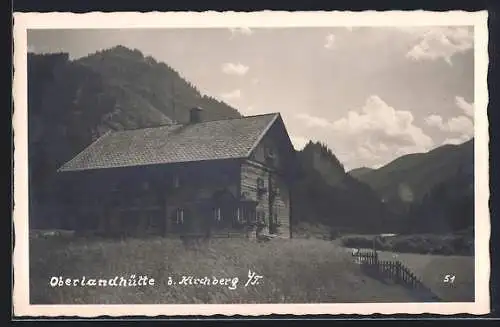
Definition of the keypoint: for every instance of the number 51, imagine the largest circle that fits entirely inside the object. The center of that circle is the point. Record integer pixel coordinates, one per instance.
(449, 278)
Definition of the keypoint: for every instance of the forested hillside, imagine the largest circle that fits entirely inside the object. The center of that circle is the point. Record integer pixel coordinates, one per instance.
(325, 193)
(448, 206)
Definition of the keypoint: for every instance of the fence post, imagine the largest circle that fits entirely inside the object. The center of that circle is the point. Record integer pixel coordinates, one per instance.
(398, 271)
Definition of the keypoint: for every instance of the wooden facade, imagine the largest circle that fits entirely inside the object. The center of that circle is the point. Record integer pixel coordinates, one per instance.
(211, 198)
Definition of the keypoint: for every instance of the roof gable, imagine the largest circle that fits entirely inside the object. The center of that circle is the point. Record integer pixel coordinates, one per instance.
(211, 140)
(277, 139)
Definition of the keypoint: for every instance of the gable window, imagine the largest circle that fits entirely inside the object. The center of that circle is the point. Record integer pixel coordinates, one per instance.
(217, 215)
(270, 156)
(270, 153)
(180, 216)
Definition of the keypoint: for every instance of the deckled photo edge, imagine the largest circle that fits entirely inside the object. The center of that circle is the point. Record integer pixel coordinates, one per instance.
(24, 21)
(481, 164)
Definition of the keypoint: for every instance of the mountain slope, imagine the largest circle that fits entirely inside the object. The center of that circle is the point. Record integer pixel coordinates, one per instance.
(448, 206)
(431, 191)
(71, 103)
(156, 82)
(358, 172)
(410, 177)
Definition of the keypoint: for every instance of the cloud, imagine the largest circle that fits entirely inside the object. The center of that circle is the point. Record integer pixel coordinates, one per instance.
(453, 125)
(371, 135)
(378, 118)
(467, 107)
(377, 132)
(235, 94)
(240, 31)
(298, 142)
(461, 124)
(313, 121)
(434, 121)
(234, 69)
(329, 41)
(440, 42)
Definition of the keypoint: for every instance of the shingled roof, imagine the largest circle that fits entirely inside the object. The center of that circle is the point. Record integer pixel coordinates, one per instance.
(211, 140)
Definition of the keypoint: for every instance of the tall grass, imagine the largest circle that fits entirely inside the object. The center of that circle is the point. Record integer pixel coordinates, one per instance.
(293, 271)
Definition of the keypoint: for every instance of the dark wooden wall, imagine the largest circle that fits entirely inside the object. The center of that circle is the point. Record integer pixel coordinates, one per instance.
(274, 170)
(144, 200)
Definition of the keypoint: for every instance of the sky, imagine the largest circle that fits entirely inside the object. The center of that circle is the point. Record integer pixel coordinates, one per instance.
(371, 94)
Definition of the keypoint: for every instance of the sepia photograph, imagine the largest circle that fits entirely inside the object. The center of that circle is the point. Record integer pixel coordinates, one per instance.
(235, 163)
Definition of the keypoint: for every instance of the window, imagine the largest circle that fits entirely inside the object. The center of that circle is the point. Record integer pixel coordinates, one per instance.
(260, 183)
(261, 190)
(217, 214)
(269, 153)
(275, 218)
(180, 216)
(239, 217)
(261, 216)
(270, 156)
(176, 181)
(252, 216)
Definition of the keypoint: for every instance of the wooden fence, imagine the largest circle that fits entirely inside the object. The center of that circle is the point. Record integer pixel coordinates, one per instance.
(395, 271)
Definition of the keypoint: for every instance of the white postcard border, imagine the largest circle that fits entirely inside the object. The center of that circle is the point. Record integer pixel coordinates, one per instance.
(24, 21)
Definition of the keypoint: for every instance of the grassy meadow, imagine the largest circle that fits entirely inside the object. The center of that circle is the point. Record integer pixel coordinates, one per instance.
(293, 271)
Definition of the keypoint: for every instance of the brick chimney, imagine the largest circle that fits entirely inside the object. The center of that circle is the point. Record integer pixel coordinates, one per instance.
(195, 115)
